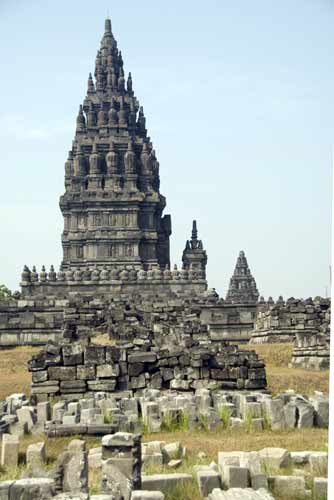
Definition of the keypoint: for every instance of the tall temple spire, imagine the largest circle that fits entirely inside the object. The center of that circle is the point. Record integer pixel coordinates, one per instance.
(242, 288)
(112, 206)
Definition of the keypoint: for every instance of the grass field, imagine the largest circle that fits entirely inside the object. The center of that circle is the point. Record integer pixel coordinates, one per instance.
(280, 377)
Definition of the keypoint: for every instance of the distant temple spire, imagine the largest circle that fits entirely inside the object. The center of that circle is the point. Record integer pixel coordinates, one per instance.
(194, 257)
(242, 289)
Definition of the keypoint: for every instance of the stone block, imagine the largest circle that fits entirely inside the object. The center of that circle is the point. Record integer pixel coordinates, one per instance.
(147, 495)
(318, 461)
(105, 371)
(101, 385)
(290, 415)
(142, 357)
(235, 477)
(62, 372)
(32, 489)
(274, 409)
(306, 415)
(36, 454)
(321, 407)
(207, 480)
(259, 481)
(86, 372)
(75, 477)
(138, 382)
(253, 409)
(43, 412)
(275, 458)
(172, 451)
(26, 415)
(251, 460)
(228, 458)
(135, 369)
(114, 480)
(320, 486)
(287, 486)
(40, 376)
(300, 457)
(9, 450)
(94, 355)
(257, 424)
(4, 489)
(72, 354)
(95, 458)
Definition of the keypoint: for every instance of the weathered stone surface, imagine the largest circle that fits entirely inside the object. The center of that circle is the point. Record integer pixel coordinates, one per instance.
(26, 416)
(275, 458)
(207, 480)
(318, 461)
(320, 488)
(9, 450)
(147, 495)
(43, 412)
(235, 477)
(36, 454)
(287, 485)
(240, 494)
(32, 489)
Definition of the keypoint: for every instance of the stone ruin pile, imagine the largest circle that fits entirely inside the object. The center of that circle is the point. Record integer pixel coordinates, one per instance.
(73, 369)
(160, 345)
(304, 322)
(280, 321)
(311, 351)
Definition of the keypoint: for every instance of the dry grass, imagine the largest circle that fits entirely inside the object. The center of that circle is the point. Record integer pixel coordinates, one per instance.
(14, 374)
(231, 440)
(280, 377)
(241, 440)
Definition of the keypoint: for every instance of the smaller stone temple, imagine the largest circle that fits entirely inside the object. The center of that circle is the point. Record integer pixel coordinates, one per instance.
(242, 289)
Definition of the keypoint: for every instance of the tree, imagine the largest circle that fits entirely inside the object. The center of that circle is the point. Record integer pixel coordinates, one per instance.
(5, 293)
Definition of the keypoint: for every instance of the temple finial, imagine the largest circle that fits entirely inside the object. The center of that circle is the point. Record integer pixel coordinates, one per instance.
(194, 231)
(107, 26)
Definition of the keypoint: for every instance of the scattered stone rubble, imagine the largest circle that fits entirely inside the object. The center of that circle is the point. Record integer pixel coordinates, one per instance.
(236, 475)
(154, 410)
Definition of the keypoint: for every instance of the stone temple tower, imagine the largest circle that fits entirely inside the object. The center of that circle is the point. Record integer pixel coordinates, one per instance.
(112, 206)
(194, 257)
(242, 289)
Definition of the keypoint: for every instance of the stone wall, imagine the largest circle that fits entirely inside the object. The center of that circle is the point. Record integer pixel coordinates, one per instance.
(311, 351)
(281, 321)
(30, 322)
(35, 320)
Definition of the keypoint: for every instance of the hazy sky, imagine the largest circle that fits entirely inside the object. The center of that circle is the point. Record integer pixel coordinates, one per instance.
(238, 97)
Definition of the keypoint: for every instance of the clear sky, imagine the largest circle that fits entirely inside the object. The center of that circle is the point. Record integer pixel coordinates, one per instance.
(238, 96)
